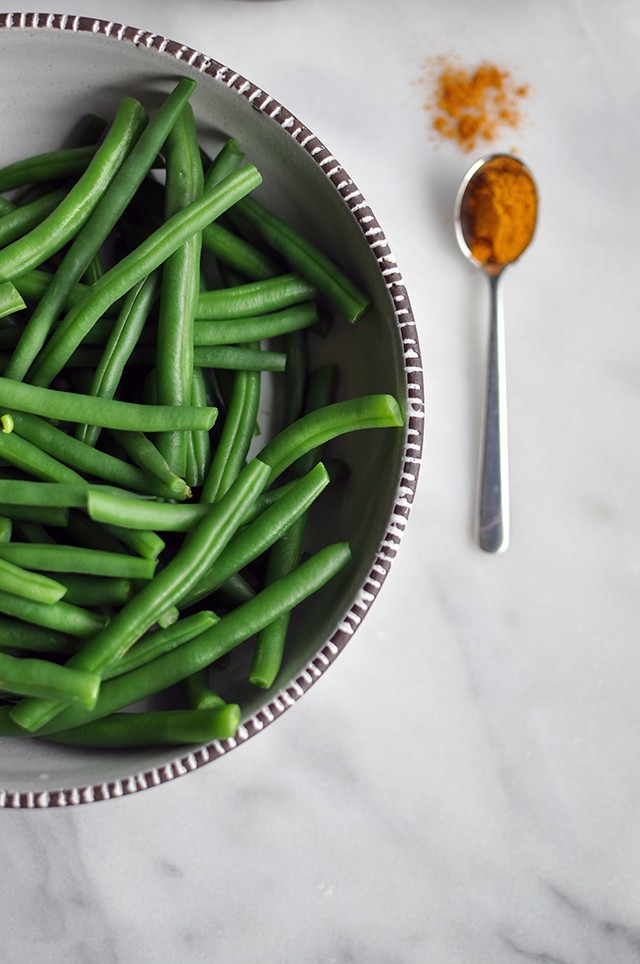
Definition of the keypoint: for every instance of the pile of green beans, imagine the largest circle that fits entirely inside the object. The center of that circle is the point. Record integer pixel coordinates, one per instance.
(149, 534)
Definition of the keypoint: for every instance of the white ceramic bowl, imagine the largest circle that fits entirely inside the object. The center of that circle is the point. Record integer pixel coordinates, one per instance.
(53, 68)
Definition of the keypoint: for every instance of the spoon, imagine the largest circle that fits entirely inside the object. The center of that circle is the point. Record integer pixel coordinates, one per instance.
(496, 211)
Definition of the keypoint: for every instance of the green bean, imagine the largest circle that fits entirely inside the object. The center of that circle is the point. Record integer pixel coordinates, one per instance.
(109, 507)
(252, 540)
(63, 223)
(180, 285)
(169, 617)
(155, 728)
(336, 468)
(95, 269)
(191, 468)
(199, 447)
(253, 298)
(316, 428)
(235, 437)
(49, 515)
(146, 456)
(123, 338)
(90, 461)
(29, 585)
(228, 159)
(25, 676)
(243, 227)
(99, 226)
(34, 285)
(105, 412)
(36, 639)
(94, 590)
(35, 461)
(239, 358)
(205, 649)
(10, 299)
(101, 331)
(320, 391)
(295, 376)
(61, 616)
(6, 207)
(91, 562)
(6, 528)
(237, 253)
(307, 259)
(40, 495)
(197, 692)
(227, 247)
(197, 553)
(145, 543)
(148, 256)
(21, 219)
(46, 167)
(231, 331)
(223, 357)
(285, 554)
(163, 641)
(269, 649)
(162, 516)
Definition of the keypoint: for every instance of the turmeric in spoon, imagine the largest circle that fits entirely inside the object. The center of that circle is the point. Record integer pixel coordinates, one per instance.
(496, 214)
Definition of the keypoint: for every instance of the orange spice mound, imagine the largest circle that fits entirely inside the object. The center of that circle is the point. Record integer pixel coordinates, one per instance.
(472, 106)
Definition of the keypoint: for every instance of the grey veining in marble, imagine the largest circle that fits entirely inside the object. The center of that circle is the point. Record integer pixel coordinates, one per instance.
(463, 786)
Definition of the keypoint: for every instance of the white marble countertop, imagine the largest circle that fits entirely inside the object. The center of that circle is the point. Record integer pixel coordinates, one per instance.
(463, 786)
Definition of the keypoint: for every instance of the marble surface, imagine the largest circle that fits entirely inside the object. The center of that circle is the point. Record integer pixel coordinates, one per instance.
(462, 787)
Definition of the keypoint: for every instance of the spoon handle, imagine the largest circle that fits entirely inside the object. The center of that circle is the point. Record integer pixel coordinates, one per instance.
(494, 486)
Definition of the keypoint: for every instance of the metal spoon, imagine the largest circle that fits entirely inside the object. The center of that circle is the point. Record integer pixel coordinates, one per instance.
(493, 510)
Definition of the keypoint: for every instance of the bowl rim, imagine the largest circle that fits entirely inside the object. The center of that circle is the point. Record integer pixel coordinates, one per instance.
(196, 62)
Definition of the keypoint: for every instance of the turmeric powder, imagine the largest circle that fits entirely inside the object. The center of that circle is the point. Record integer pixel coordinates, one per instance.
(472, 106)
(499, 210)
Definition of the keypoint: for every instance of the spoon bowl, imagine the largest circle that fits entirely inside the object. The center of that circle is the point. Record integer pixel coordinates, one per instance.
(495, 220)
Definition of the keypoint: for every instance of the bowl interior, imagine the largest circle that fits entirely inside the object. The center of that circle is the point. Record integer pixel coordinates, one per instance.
(51, 77)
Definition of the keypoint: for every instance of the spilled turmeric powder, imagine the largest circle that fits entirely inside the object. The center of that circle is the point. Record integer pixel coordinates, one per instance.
(499, 211)
(473, 106)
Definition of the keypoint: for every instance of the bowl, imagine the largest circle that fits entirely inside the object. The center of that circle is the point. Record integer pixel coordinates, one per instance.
(56, 67)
